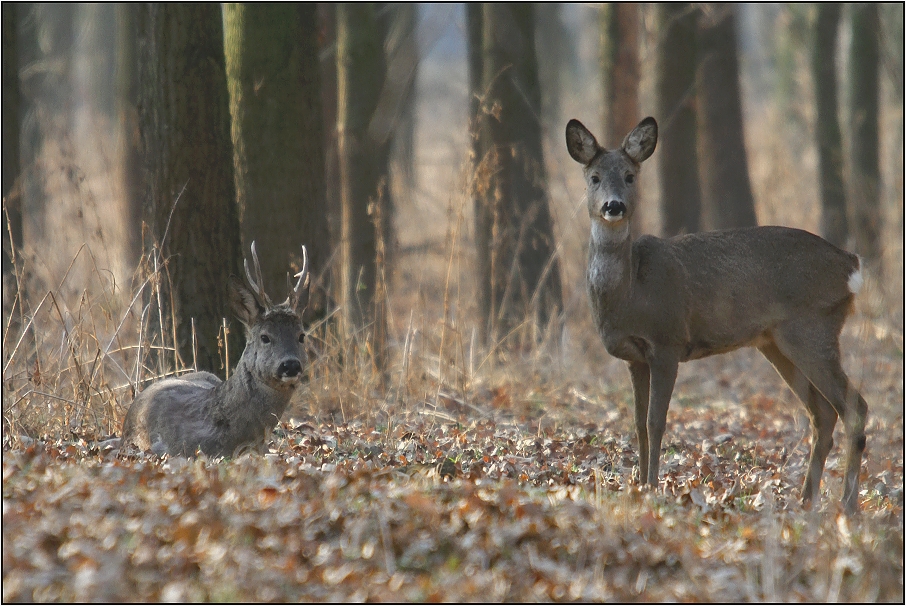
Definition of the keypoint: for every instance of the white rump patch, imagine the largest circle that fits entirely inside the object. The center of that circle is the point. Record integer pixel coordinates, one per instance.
(855, 279)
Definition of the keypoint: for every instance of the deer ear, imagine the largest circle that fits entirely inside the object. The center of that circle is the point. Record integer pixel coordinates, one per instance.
(244, 303)
(580, 143)
(640, 143)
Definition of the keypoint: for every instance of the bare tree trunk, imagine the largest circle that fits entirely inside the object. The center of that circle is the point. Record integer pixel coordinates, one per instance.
(483, 224)
(834, 225)
(273, 75)
(727, 199)
(553, 49)
(190, 203)
(327, 35)
(394, 117)
(863, 123)
(676, 24)
(363, 172)
(404, 54)
(520, 275)
(45, 45)
(620, 70)
(620, 74)
(93, 61)
(12, 199)
(128, 153)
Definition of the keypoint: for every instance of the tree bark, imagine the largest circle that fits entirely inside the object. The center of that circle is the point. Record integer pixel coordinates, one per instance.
(620, 77)
(727, 199)
(12, 199)
(519, 274)
(404, 60)
(363, 158)
(128, 152)
(555, 53)
(675, 101)
(45, 46)
(394, 117)
(483, 237)
(620, 70)
(327, 36)
(863, 124)
(834, 226)
(190, 204)
(274, 80)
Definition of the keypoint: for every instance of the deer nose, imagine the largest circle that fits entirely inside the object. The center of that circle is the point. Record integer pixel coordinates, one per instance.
(289, 368)
(613, 210)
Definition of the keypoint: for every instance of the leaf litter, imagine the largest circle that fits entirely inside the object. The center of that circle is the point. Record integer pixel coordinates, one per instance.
(461, 507)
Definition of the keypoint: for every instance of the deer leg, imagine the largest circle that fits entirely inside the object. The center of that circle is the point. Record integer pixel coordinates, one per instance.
(822, 415)
(818, 357)
(663, 377)
(641, 379)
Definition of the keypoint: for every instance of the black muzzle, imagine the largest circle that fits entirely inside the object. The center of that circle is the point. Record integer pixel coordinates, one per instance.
(289, 369)
(613, 210)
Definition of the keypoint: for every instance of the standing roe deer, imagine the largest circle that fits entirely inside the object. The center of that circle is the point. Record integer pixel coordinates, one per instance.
(658, 302)
(198, 411)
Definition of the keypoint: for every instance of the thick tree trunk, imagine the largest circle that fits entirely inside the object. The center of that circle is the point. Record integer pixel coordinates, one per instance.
(278, 139)
(727, 199)
(676, 24)
(364, 186)
(834, 226)
(863, 123)
(190, 203)
(519, 274)
(620, 77)
(620, 70)
(45, 45)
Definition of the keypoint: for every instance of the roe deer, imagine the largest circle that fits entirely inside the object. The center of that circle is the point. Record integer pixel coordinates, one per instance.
(198, 411)
(658, 302)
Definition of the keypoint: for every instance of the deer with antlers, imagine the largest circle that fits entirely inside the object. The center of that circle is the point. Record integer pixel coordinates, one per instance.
(199, 412)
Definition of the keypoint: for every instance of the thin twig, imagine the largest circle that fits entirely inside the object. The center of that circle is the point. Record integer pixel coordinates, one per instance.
(24, 332)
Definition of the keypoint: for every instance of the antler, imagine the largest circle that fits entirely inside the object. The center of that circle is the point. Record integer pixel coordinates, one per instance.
(257, 286)
(302, 282)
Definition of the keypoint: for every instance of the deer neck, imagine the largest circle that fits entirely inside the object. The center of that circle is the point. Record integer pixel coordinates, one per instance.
(248, 402)
(610, 264)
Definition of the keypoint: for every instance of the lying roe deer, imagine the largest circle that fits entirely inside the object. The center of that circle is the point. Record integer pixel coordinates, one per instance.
(658, 302)
(198, 411)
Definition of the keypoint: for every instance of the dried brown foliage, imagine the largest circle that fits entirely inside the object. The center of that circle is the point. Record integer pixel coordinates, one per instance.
(464, 509)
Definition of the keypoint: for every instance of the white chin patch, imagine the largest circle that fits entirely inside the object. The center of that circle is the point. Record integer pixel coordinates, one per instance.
(613, 218)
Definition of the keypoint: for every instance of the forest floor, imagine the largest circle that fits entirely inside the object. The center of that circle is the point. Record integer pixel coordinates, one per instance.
(518, 488)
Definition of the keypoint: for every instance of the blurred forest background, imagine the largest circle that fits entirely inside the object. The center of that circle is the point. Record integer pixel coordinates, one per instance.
(417, 150)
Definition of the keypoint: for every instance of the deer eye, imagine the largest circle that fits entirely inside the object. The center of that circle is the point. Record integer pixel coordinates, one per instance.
(595, 179)
(630, 178)
(265, 339)
(302, 337)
